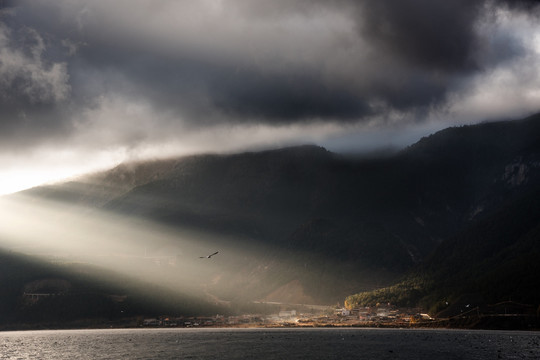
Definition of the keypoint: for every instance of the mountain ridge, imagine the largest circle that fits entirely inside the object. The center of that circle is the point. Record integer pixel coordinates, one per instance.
(339, 216)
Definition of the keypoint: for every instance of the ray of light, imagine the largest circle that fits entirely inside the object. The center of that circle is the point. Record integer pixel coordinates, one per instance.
(140, 249)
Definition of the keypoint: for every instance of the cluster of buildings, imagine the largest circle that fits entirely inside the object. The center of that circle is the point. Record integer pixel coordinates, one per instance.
(383, 315)
(202, 321)
(368, 316)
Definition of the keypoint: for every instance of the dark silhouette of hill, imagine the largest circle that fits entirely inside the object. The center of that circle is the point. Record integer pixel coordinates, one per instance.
(484, 195)
(493, 260)
(357, 223)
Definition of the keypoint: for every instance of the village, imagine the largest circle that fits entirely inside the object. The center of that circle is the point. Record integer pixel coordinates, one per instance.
(507, 315)
(379, 316)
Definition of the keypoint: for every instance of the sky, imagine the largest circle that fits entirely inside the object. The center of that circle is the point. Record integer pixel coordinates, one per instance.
(87, 84)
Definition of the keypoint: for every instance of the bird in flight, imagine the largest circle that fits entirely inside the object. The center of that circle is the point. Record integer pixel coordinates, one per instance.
(208, 256)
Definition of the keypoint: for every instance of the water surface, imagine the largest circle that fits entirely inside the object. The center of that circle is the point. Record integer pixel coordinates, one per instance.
(313, 343)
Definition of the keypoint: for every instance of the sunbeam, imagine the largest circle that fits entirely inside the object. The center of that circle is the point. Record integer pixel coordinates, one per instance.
(135, 248)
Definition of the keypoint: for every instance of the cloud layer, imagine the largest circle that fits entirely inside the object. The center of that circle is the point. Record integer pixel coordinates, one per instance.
(140, 74)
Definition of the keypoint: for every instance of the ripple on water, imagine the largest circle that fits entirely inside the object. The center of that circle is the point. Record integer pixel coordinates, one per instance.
(269, 344)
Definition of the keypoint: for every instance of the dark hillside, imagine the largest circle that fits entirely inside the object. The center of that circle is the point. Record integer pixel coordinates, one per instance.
(493, 260)
(378, 215)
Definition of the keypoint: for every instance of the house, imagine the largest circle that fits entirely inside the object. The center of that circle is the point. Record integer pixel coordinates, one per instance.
(152, 322)
(383, 312)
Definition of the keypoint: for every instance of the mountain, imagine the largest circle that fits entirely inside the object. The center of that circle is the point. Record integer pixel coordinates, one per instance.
(333, 225)
(492, 255)
(493, 260)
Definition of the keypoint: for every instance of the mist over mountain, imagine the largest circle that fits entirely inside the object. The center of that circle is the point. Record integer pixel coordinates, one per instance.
(329, 225)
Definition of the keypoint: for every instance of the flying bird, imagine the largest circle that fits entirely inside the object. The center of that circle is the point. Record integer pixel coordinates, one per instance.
(208, 256)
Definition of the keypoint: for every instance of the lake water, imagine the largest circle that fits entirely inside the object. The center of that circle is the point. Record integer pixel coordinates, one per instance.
(295, 343)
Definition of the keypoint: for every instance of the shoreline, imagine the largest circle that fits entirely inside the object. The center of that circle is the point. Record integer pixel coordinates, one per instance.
(493, 323)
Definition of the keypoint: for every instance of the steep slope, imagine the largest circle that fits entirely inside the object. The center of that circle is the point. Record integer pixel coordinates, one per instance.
(496, 259)
(461, 173)
(493, 260)
(486, 199)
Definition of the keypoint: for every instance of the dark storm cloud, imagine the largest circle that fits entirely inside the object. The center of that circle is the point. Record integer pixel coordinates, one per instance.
(418, 45)
(239, 62)
(287, 96)
(417, 50)
(246, 94)
(431, 34)
(85, 84)
(199, 86)
(527, 5)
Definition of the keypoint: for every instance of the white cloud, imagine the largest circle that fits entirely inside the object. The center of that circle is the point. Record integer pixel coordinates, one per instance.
(512, 88)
